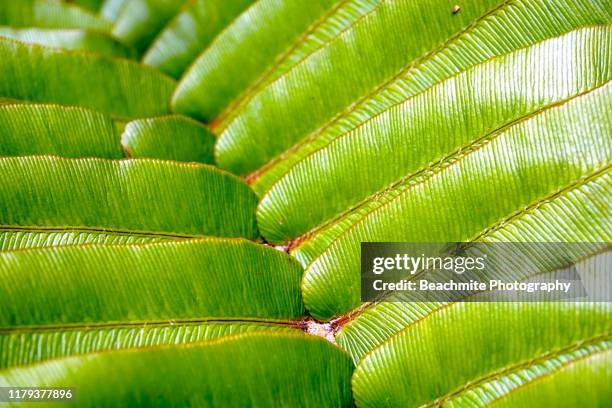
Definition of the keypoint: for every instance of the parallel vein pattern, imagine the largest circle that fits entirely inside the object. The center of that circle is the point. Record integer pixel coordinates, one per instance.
(123, 196)
(258, 370)
(103, 297)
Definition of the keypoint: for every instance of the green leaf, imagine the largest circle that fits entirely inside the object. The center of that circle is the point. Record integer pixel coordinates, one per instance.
(20, 347)
(13, 238)
(69, 39)
(196, 279)
(590, 375)
(414, 137)
(506, 176)
(169, 137)
(139, 21)
(132, 197)
(49, 14)
(530, 21)
(83, 293)
(264, 42)
(374, 323)
(93, 5)
(119, 87)
(258, 370)
(51, 129)
(459, 354)
(366, 77)
(190, 32)
(111, 9)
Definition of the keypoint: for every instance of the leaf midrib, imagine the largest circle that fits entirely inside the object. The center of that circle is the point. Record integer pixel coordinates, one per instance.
(100, 230)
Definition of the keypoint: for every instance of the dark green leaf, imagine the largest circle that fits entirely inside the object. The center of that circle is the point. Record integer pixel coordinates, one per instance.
(463, 354)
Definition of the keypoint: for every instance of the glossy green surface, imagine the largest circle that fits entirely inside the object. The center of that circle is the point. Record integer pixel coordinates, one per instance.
(413, 137)
(119, 87)
(69, 39)
(351, 120)
(49, 14)
(449, 354)
(263, 43)
(89, 284)
(529, 21)
(139, 21)
(190, 32)
(19, 347)
(30, 129)
(129, 196)
(169, 137)
(510, 174)
(258, 370)
(316, 91)
(85, 301)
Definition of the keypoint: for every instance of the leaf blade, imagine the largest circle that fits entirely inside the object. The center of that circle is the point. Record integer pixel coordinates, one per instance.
(124, 196)
(118, 87)
(29, 129)
(209, 374)
(483, 327)
(169, 138)
(185, 280)
(419, 133)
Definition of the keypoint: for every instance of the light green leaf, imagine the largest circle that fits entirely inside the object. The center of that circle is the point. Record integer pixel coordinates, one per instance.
(374, 323)
(139, 21)
(267, 40)
(69, 39)
(258, 370)
(51, 129)
(506, 176)
(190, 32)
(49, 14)
(28, 346)
(118, 87)
(169, 137)
(452, 352)
(111, 9)
(530, 21)
(127, 196)
(589, 377)
(81, 293)
(366, 76)
(414, 137)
